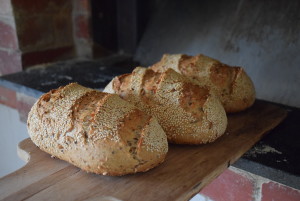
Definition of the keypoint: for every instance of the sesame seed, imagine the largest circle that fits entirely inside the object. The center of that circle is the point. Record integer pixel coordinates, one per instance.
(177, 121)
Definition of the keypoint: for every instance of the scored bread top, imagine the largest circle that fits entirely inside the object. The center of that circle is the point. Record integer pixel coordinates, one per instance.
(189, 113)
(231, 84)
(96, 131)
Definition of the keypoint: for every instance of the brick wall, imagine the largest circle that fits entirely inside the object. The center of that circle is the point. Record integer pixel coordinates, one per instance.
(19, 101)
(10, 60)
(34, 32)
(44, 30)
(238, 185)
(82, 28)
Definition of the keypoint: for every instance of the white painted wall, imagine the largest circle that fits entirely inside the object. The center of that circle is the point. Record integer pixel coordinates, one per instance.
(12, 131)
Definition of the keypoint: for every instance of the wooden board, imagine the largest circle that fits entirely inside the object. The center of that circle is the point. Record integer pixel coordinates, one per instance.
(187, 169)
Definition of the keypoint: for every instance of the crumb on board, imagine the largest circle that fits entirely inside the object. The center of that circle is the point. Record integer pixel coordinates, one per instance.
(262, 149)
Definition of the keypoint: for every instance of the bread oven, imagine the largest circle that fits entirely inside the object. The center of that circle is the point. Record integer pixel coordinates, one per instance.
(90, 42)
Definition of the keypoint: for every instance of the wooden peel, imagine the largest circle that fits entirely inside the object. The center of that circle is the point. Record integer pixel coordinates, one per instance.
(186, 170)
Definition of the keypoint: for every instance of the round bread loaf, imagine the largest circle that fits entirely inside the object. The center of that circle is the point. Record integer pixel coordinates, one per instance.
(231, 84)
(95, 131)
(188, 113)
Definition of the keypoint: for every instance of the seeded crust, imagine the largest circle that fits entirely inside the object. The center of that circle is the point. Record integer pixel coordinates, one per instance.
(231, 84)
(97, 132)
(188, 113)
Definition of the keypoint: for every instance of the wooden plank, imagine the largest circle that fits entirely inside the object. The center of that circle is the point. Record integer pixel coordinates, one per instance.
(187, 169)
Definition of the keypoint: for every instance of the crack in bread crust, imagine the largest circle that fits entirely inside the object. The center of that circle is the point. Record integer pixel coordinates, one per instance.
(183, 108)
(231, 84)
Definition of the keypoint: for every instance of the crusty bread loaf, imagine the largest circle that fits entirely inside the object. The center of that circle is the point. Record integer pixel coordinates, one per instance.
(188, 113)
(231, 84)
(97, 132)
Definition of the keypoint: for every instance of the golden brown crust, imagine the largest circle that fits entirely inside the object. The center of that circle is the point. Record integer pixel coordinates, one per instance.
(98, 132)
(189, 113)
(231, 84)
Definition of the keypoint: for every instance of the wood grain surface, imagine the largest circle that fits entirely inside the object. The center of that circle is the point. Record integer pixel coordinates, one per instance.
(185, 172)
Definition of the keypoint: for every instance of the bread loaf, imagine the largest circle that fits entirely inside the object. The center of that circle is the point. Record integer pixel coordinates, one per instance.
(95, 131)
(188, 113)
(231, 84)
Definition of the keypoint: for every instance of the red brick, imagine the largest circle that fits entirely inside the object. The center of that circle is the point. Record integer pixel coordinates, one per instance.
(276, 192)
(8, 97)
(10, 62)
(24, 104)
(39, 6)
(82, 6)
(82, 26)
(52, 55)
(63, 29)
(8, 38)
(44, 32)
(229, 186)
(35, 32)
(5, 7)
(43, 24)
